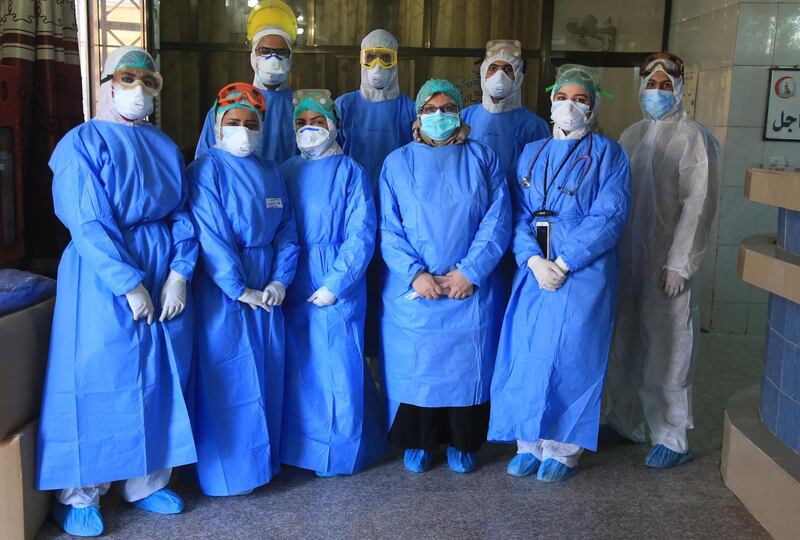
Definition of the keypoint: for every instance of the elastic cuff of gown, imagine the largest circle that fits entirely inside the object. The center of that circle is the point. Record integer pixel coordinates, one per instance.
(129, 284)
(526, 257)
(466, 271)
(680, 271)
(185, 270)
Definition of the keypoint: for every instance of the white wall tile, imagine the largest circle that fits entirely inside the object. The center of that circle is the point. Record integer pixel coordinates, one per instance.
(787, 38)
(683, 10)
(730, 317)
(728, 287)
(720, 37)
(757, 318)
(790, 151)
(743, 147)
(713, 96)
(749, 87)
(755, 38)
(740, 217)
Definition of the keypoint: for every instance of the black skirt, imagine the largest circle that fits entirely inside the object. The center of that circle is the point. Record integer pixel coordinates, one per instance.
(464, 428)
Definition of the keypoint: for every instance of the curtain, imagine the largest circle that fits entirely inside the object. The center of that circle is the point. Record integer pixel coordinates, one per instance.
(39, 37)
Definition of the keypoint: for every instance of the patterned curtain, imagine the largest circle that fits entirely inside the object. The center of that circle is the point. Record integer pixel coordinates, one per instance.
(40, 38)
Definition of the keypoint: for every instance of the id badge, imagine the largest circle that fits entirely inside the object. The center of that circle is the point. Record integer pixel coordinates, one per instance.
(543, 237)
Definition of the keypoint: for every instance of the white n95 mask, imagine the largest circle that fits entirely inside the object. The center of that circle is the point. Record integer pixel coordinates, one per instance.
(569, 115)
(499, 85)
(379, 77)
(313, 140)
(273, 69)
(239, 141)
(132, 103)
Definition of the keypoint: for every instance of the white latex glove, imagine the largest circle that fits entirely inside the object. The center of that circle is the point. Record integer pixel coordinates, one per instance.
(322, 297)
(252, 298)
(274, 293)
(561, 264)
(173, 296)
(548, 274)
(140, 303)
(673, 283)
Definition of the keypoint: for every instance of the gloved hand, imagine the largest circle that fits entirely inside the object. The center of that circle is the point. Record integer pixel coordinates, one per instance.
(140, 303)
(455, 285)
(274, 293)
(173, 296)
(322, 297)
(673, 283)
(426, 286)
(548, 274)
(561, 264)
(253, 298)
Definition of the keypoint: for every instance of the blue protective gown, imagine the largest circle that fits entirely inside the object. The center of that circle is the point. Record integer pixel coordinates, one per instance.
(441, 209)
(370, 130)
(333, 419)
(277, 129)
(554, 346)
(247, 236)
(506, 133)
(113, 405)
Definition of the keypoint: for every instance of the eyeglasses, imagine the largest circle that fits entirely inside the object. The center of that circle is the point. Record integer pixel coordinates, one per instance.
(671, 64)
(128, 77)
(269, 51)
(382, 56)
(447, 108)
(238, 92)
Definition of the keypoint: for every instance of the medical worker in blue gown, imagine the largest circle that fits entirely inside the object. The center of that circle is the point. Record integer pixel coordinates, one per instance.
(375, 120)
(333, 419)
(271, 32)
(571, 203)
(248, 256)
(113, 406)
(445, 224)
(500, 121)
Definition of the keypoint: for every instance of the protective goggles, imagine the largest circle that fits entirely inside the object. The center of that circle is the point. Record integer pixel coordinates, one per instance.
(511, 47)
(269, 51)
(671, 64)
(242, 92)
(373, 56)
(129, 77)
(320, 95)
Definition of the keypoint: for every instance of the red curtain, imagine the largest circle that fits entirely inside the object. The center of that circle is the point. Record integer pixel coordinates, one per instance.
(40, 38)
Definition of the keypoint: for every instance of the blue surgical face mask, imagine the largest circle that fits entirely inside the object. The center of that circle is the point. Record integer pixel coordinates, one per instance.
(439, 126)
(657, 103)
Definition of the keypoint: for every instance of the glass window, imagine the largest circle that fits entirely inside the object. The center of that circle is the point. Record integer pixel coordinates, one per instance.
(608, 25)
(346, 22)
(471, 23)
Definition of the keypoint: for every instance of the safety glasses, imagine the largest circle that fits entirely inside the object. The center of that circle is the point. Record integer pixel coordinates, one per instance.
(129, 77)
(371, 57)
(447, 108)
(671, 64)
(239, 92)
(269, 51)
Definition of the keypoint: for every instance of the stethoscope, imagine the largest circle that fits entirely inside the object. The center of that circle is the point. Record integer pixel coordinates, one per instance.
(585, 159)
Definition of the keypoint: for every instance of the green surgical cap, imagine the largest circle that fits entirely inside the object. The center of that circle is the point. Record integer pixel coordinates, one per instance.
(136, 59)
(588, 78)
(436, 86)
(317, 103)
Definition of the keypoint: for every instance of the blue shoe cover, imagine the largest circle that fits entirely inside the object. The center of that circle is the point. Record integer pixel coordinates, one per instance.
(523, 464)
(661, 457)
(78, 521)
(324, 474)
(417, 460)
(555, 471)
(460, 462)
(163, 501)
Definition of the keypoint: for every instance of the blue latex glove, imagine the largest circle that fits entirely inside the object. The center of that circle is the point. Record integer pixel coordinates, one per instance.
(78, 521)
(163, 501)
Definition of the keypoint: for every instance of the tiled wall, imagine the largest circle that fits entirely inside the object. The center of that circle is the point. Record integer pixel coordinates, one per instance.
(733, 44)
